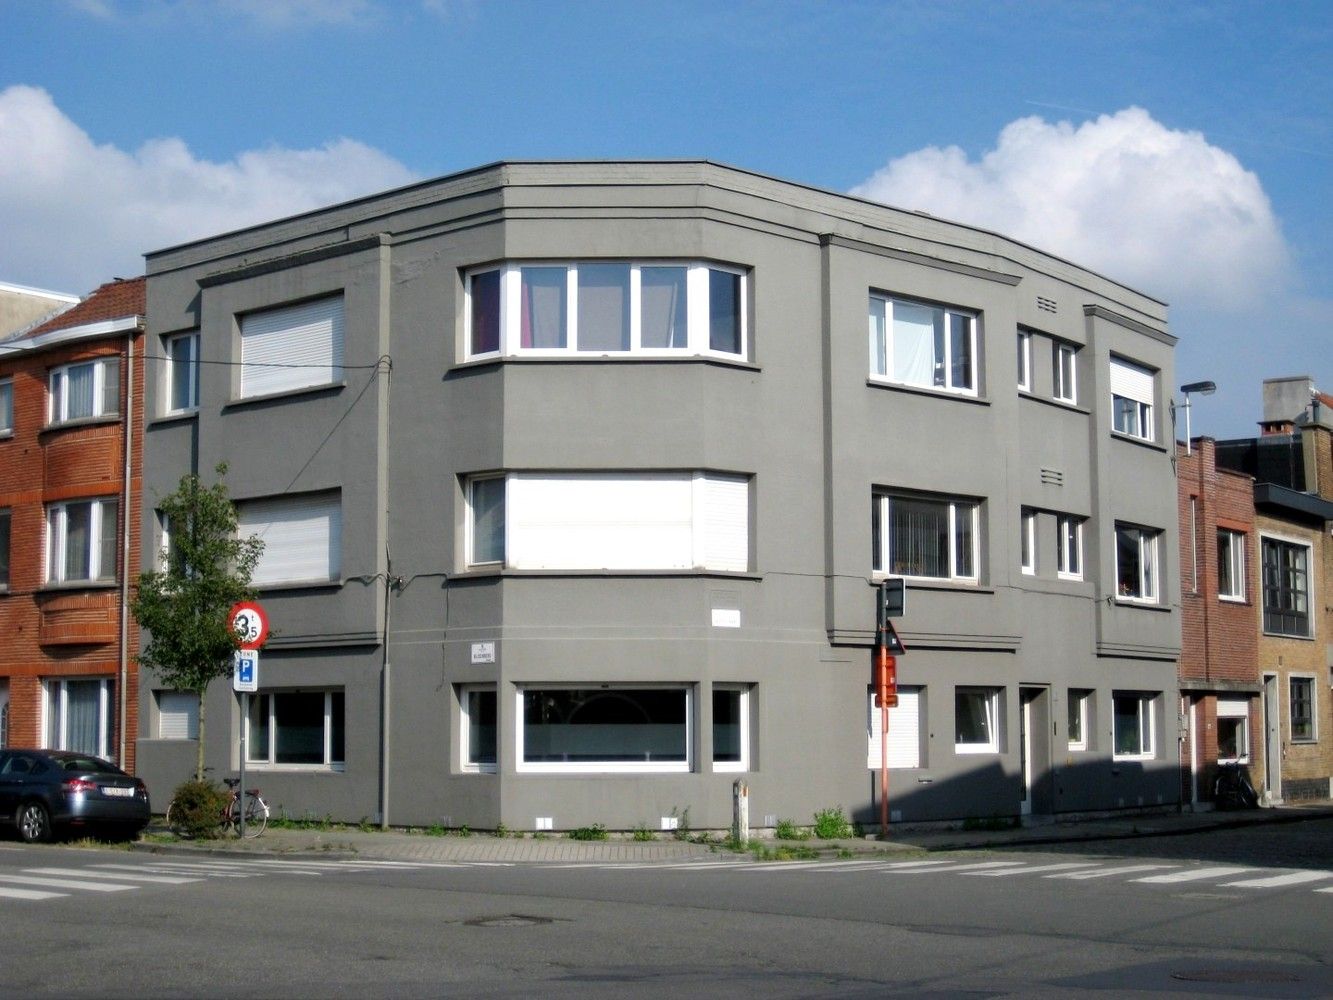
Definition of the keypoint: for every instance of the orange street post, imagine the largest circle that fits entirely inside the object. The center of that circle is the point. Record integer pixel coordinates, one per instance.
(890, 603)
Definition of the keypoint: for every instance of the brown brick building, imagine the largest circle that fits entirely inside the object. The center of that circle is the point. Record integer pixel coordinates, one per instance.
(1292, 465)
(1219, 675)
(70, 469)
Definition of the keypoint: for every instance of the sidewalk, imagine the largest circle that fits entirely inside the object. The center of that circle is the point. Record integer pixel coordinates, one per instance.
(397, 845)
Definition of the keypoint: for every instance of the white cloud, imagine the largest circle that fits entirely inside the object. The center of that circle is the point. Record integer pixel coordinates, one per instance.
(77, 213)
(1158, 209)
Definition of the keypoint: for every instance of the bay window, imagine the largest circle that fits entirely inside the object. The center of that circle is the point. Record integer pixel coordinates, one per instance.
(923, 345)
(84, 390)
(924, 536)
(616, 308)
(81, 541)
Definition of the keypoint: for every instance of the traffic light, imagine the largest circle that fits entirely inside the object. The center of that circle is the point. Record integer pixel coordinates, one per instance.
(892, 599)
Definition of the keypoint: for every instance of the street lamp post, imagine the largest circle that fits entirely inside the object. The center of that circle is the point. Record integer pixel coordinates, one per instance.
(1203, 389)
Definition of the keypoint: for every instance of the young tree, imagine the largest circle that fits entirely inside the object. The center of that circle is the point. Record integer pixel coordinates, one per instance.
(184, 605)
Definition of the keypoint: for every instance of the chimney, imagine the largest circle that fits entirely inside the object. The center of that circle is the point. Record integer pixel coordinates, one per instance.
(1286, 401)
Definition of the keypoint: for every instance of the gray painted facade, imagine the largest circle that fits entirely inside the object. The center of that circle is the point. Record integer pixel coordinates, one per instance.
(799, 414)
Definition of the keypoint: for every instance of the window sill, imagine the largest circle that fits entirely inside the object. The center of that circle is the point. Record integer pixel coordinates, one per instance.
(1305, 743)
(1080, 748)
(918, 390)
(1059, 404)
(932, 583)
(1287, 635)
(327, 389)
(298, 585)
(482, 572)
(1130, 757)
(1237, 601)
(961, 749)
(604, 769)
(1129, 602)
(585, 357)
(251, 765)
(64, 425)
(7, 435)
(178, 417)
(66, 586)
(1138, 441)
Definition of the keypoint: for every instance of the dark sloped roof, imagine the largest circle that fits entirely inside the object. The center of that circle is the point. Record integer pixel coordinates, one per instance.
(114, 300)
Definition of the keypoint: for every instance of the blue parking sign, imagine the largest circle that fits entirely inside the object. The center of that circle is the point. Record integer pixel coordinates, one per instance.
(245, 670)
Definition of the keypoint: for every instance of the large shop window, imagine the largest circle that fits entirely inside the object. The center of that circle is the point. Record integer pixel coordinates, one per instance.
(81, 541)
(916, 344)
(1134, 728)
(607, 308)
(1286, 568)
(616, 728)
(1133, 389)
(904, 730)
(292, 347)
(84, 390)
(479, 718)
(78, 715)
(296, 729)
(182, 389)
(731, 727)
(611, 521)
(920, 536)
(302, 537)
(1136, 563)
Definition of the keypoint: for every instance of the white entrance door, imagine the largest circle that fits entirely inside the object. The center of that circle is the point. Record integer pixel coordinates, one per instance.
(1272, 712)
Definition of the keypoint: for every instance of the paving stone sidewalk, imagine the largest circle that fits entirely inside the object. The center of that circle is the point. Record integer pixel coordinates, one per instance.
(398, 845)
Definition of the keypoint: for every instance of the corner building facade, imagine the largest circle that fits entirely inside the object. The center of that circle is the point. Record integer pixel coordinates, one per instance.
(575, 480)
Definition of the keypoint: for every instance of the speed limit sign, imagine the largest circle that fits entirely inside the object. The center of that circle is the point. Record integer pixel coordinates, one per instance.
(249, 623)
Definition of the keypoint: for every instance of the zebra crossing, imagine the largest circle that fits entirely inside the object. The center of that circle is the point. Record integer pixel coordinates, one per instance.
(1152, 874)
(46, 882)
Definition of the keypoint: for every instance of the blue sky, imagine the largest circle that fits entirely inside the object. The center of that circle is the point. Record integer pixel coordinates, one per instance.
(1183, 148)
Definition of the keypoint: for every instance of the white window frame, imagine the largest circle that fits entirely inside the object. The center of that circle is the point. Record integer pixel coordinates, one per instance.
(263, 516)
(283, 348)
(1064, 365)
(957, 508)
(466, 763)
(1231, 548)
(55, 713)
(106, 382)
(1311, 681)
(882, 344)
(177, 708)
(1147, 722)
(993, 719)
(698, 335)
(1079, 699)
(6, 406)
(268, 762)
(191, 342)
(742, 691)
(1149, 583)
(717, 521)
(1027, 542)
(1235, 708)
(103, 515)
(1069, 546)
(1025, 360)
(605, 767)
(1133, 384)
(904, 730)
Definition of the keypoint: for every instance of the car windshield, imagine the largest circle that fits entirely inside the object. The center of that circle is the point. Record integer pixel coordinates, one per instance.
(89, 764)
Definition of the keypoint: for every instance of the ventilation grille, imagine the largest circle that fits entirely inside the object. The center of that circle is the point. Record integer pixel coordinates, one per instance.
(1046, 305)
(1052, 477)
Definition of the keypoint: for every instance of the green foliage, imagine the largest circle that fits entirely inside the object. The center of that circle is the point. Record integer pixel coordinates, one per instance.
(832, 824)
(643, 834)
(682, 830)
(788, 830)
(184, 606)
(783, 852)
(594, 832)
(501, 831)
(196, 809)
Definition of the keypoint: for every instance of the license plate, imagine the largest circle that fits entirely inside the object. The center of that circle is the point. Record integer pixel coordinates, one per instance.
(120, 793)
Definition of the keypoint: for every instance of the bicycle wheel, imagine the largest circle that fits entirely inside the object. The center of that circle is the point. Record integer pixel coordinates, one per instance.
(172, 825)
(256, 815)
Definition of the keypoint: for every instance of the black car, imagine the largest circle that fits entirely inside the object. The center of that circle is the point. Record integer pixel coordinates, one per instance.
(42, 791)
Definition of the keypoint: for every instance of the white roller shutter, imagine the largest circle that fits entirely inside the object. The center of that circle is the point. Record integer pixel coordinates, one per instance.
(178, 715)
(1233, 708)
(293, 347)
(904, 730)
(1131, 381)
(302, 537)
(722, 522)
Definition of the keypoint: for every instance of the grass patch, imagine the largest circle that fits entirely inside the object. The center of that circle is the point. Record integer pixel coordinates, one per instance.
(643, 834)
(788, 830)
(594, 832)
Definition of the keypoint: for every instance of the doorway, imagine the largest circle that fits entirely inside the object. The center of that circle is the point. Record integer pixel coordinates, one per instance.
(1034, 747)
(1271, 793)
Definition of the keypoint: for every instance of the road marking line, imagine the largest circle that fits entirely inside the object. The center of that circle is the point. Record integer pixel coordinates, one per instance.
(65, 883)
(1063, 866)
(1192, 875)
(953, 868)
(164, 879)
(1109, 872)
(182, 870)
(1274, 881)
(29, 894)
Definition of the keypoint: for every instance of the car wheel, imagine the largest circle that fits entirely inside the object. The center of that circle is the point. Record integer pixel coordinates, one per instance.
(34, 823)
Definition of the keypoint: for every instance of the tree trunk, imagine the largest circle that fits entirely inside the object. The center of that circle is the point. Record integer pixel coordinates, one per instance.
(199, 761)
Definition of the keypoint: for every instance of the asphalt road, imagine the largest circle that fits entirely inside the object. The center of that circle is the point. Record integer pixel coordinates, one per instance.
(1234, 914)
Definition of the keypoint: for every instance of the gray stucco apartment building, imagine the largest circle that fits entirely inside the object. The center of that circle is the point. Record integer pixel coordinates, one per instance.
(575, 480)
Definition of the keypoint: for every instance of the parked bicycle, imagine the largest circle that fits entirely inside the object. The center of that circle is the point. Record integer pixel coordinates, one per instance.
(1232, 789)
(256, 811)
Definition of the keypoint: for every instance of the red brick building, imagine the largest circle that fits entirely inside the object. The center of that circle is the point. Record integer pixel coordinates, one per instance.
(1219, 672)
(70, 469)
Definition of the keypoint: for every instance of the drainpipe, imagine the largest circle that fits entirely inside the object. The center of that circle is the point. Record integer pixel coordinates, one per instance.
(126, 495)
